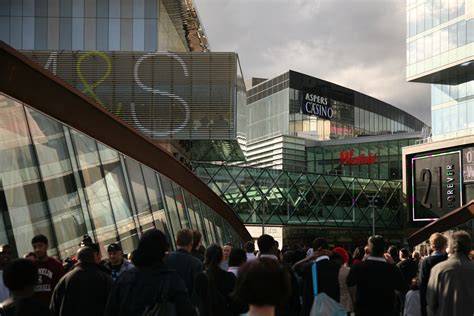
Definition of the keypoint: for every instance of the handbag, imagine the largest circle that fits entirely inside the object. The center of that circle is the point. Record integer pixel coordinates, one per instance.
(323, 305)
(161, 306)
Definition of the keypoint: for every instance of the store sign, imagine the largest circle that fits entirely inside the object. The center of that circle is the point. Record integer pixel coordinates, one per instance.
(436, 185)
(347, 158)
(316, 105)
(468, 164)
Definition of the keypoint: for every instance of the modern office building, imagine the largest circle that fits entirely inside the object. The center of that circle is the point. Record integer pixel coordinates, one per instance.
(70, 168)
(438, 173)
(293, 116)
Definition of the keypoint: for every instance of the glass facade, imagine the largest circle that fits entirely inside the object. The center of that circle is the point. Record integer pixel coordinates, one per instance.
(452, 106)
(439, 33)
(278, 197)
(387, 164)
(275, 108)
(440, 51)
(59, 182)
(105, 25)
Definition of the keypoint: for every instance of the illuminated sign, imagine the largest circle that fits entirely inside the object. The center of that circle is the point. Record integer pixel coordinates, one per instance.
(347, 158)
(436, 185)
(316, 105)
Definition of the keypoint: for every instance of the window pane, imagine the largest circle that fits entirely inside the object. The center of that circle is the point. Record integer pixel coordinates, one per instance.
(119, 197)
(140, 197)
(60, 184)
(95, 188)
(20, 190)
(156, 200)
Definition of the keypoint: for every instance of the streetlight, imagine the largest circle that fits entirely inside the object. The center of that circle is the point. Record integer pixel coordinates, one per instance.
(373, 200)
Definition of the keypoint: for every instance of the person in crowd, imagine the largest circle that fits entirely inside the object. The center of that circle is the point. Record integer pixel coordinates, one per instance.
(185, 264)
(412, 300)
(416, 257)
(409, 270)
(450, 290)
(30, 256)
(393, 252)
(214, 286)
(117, 264)
(376, 281)
(225, 262)
(345, 297)
(237, 258)
(267, 248)
(5, 258)
(438, 245)
(84, 290)
(50, 270)
(327, 270)
(250, 250)
(138, 290)
(471, 255)
(262, 285)
(197, 239)
(20, 277)
(358, 255)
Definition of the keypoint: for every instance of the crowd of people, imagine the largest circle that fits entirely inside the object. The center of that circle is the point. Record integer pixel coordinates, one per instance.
(232, 281)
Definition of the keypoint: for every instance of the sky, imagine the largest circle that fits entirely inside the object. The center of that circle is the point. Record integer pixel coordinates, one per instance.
(359, 44)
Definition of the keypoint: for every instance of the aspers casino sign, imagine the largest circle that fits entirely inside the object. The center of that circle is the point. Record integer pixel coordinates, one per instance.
(316, 105)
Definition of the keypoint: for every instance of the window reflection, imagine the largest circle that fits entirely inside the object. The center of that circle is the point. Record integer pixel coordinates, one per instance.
(20, 186)
(59, 181)
(95, 189)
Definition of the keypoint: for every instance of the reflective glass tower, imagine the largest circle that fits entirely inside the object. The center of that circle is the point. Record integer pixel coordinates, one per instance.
(440, 51)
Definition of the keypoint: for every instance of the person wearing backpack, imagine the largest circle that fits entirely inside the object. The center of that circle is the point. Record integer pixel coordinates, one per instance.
(327, 274)
(150, 289)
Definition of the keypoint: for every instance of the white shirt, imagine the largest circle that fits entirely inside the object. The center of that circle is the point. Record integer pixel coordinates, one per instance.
(269, 256)
(234, 270)
(251, 256)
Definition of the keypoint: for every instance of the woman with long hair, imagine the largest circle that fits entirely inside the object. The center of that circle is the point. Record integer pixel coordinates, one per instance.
(214, 285)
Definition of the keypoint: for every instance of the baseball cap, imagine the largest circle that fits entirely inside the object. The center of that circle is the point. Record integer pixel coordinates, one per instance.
(114, 247)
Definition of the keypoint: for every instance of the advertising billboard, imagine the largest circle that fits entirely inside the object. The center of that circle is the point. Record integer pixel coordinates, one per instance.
(436, 184)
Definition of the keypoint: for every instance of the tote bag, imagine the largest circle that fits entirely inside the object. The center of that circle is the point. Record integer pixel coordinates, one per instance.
(323, 305)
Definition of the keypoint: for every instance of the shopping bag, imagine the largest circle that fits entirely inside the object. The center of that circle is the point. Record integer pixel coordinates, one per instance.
(323, 305)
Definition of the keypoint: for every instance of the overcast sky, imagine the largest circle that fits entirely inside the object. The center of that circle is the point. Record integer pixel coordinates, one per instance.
(359, 44)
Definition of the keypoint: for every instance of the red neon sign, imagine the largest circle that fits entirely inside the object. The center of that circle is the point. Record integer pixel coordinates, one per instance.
(347, 158)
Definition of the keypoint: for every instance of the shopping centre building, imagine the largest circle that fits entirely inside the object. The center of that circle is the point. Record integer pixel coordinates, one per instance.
(317, 154)
(439, 173)
(296, 154)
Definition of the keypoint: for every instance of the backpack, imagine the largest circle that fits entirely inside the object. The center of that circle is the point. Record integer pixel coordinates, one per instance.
(161, 306)
(323, 305)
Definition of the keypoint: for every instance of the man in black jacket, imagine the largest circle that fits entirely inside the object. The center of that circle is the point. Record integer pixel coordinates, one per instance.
(438, 243)
(327, 271)
(83, 290)
(268, 248)
(376, 281)
(186, 265)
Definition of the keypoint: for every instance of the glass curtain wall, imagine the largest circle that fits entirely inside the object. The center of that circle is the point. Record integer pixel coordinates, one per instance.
(387, 165)
(63, 184)
(295, 198)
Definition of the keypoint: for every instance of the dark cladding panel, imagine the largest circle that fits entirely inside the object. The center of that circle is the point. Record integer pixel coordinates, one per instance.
(163, 95)
(436, 185)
